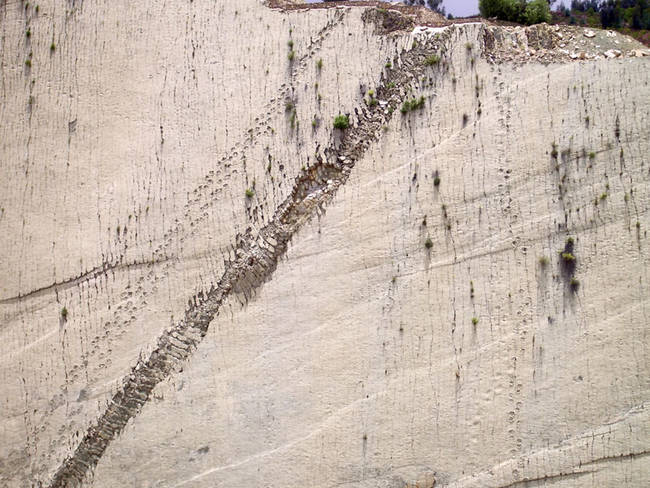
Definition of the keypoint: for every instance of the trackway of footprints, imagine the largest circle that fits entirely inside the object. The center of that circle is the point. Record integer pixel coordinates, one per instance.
(256, 255)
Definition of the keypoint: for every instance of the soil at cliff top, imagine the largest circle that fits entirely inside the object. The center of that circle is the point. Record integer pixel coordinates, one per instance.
(569, 42)
(420, 15)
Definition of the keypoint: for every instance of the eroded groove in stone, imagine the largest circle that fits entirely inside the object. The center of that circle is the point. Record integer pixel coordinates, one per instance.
(256, 258)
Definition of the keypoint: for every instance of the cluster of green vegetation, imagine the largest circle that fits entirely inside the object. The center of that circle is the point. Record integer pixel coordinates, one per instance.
(568, 261)
(341, 122)
(522, 11)
(609, 13)
(413, 104)
(290, 109)
(372, 101)
(432, 60)
(631, 17)
(567, 257)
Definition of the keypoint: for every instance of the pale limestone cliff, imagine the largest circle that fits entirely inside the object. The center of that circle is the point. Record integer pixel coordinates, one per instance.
(388, 306)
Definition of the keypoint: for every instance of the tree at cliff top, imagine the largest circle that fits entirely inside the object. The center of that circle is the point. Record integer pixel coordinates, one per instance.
(532, 12)
(613, 14)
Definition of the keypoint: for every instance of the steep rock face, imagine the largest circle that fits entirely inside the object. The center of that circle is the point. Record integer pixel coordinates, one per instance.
(423, 329)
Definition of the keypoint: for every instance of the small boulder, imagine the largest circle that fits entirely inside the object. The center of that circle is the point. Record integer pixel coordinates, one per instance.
(612, 53)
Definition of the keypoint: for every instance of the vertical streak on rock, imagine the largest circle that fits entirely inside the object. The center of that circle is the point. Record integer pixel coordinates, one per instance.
(256, 259)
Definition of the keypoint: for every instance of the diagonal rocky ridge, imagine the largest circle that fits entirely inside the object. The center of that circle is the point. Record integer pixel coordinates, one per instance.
(256, 259)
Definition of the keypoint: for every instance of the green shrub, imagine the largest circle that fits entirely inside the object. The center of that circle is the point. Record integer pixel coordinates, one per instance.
(537, 12)
(250, 193)
(64, 313)
(532, 12)
(574, 284)
(567, 257)
(341, 122)
(432, 60)
(543, 261)
(319, 64)
(474, 320)
(428, 243)
(28, 63)
(291, 55)
(413, 104)
(436, 181)
(501, 9)
(52, 47)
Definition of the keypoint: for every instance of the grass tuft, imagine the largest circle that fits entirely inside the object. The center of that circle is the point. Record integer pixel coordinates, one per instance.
(341, 122)
(432, 60)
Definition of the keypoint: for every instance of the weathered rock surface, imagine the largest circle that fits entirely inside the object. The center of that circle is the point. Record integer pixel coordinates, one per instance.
(389, 306)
